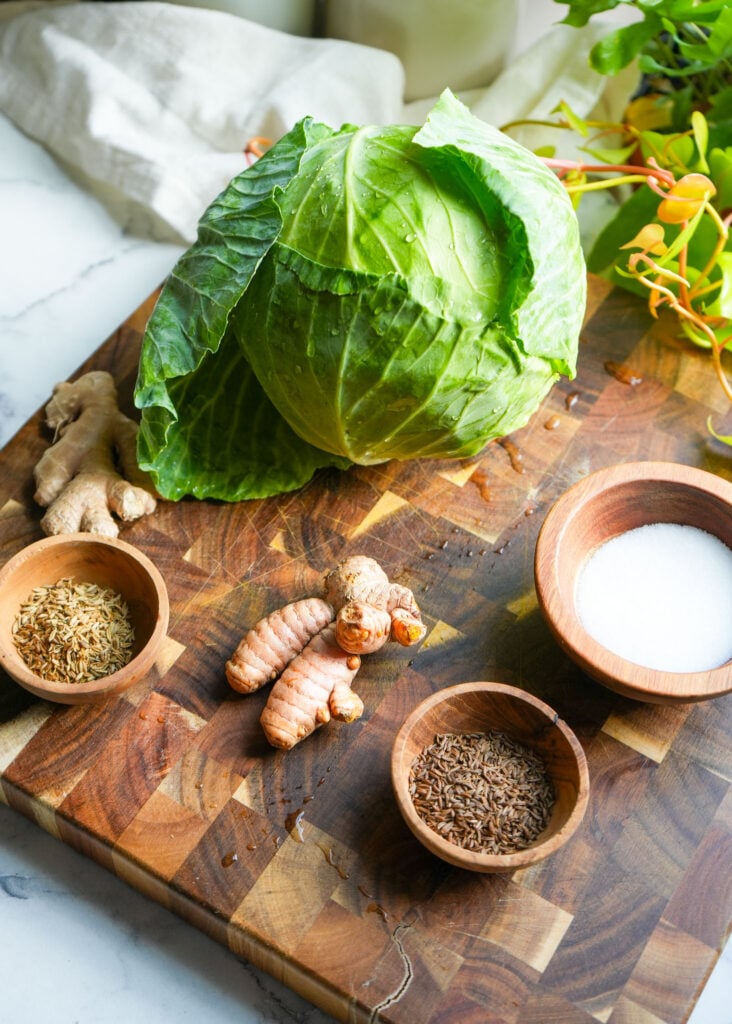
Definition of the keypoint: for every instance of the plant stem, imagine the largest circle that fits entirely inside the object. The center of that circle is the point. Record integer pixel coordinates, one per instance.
(643, 172)
(596, 186)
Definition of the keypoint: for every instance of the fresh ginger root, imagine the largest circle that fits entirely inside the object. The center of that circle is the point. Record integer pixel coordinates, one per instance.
(77, 479)
(313, 648)
(361, 579)
(361, 628)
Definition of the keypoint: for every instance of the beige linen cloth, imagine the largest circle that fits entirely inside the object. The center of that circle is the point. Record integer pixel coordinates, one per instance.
(150, 105)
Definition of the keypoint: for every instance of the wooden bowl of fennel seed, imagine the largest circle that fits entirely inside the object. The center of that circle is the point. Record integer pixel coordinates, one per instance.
(82, 617)
(488, 777)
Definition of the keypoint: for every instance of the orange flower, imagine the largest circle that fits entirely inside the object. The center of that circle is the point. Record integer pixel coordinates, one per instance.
(649, 239)
(685, 198)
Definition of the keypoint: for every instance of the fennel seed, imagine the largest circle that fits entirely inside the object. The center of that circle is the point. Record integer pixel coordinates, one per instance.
(485, 792)
(73, 632)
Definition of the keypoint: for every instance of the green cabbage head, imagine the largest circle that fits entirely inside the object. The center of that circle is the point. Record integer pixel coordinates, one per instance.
(356, 296)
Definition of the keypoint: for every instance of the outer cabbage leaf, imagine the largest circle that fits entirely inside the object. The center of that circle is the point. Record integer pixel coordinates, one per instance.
(207, 428)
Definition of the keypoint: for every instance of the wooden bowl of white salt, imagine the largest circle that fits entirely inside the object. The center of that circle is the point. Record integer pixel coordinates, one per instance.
(633, 573)
(488, 777)
(82, 617)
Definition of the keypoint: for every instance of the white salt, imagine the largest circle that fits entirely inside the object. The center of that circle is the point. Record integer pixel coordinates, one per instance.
(660, 596)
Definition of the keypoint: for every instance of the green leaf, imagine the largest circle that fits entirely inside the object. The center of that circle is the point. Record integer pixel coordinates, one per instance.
(701, 138)
(702, 11)
(575, 122)
(720, 171)
(719, 40)
(580, 11)
(522, 192)
(639, 209)
(201, 407)
(722, 305)
(611, 156)
(721, 104)
(677, 152)
(649, 65)
(617, 49)
(682, 105)
(724, 438)
(227, 440)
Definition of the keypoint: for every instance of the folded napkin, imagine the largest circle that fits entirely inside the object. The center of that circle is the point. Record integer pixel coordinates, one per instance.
(150, 105)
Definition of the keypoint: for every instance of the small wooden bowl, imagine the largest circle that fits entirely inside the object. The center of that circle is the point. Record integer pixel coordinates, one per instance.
(481, 707)
(87, 558)
(596, 509)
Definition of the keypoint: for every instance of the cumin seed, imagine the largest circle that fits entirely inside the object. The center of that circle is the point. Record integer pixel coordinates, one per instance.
(74, 632)
(485, 792)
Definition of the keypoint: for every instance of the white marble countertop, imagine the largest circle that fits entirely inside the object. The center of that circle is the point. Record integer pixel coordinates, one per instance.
(69, 278)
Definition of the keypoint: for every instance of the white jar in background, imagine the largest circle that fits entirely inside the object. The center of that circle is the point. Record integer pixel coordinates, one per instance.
(293, 16)
(460, 44)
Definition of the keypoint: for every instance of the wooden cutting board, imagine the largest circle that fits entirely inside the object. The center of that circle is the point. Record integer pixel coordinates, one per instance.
(300, 862)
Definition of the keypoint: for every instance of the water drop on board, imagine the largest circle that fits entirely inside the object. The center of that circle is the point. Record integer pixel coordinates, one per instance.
(481, 480)
(228, 859)
(294, 825)
(623, 373)
(515, 455)
(330, 858)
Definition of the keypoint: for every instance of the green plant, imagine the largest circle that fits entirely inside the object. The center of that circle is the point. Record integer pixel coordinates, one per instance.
(360, 295)
(670, 237)
(683, 48)
(669, 164)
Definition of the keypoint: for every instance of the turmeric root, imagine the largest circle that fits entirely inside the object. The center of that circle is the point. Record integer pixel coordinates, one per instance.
(313, 688)
(312, 649)
(274, 641)
(77, 478)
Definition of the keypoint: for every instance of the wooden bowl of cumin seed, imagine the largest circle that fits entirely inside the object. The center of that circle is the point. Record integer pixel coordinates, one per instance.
(488, 777)
(82, 617)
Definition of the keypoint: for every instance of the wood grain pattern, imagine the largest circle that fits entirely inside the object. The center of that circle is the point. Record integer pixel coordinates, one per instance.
(300, 861)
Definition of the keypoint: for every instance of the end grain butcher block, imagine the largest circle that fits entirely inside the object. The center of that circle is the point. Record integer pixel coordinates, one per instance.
(299, 861)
